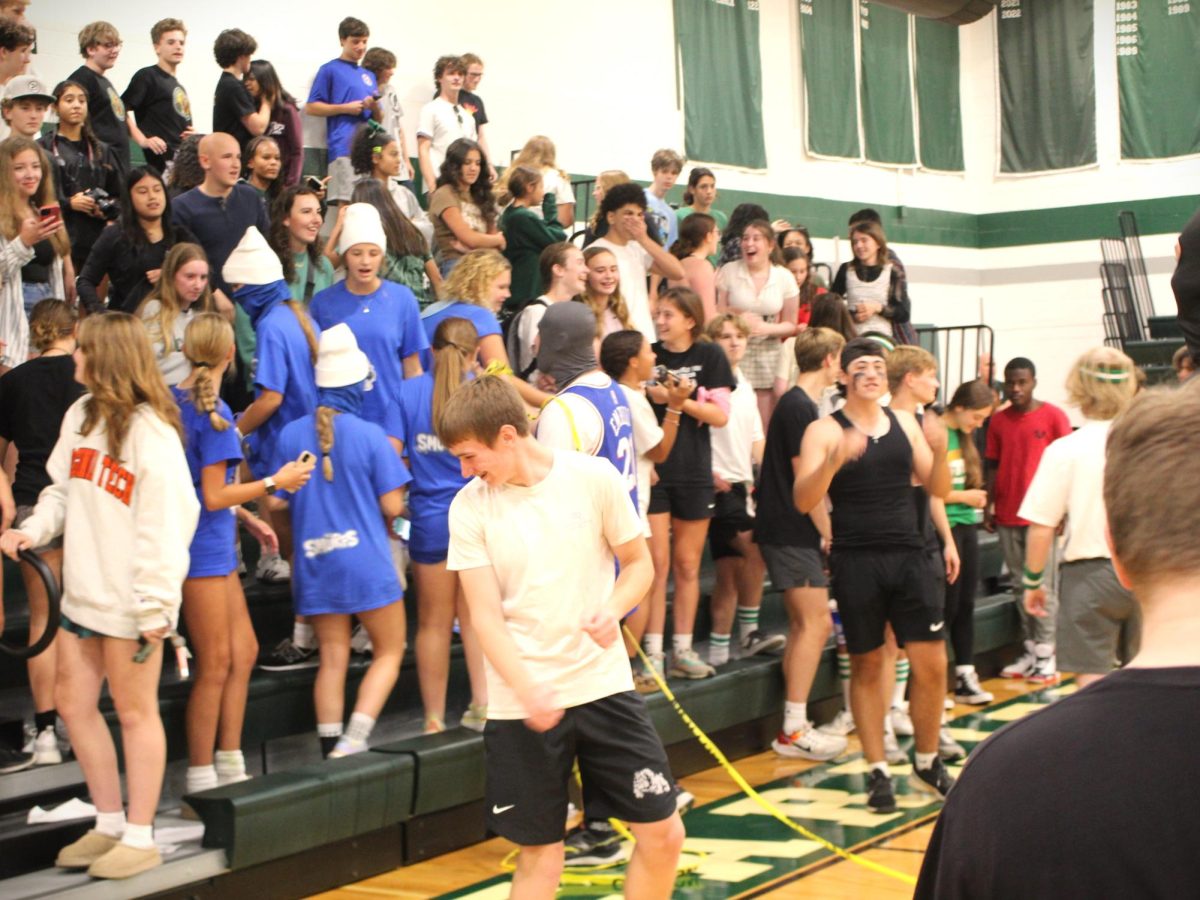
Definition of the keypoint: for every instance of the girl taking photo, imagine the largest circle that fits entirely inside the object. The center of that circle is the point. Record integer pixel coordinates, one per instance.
(119, 475)
(182, 292)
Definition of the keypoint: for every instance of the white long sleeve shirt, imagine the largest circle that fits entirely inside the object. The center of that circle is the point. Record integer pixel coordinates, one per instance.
(126, 523)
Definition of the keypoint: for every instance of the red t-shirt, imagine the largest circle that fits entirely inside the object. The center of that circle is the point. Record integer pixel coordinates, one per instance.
(1015, 442)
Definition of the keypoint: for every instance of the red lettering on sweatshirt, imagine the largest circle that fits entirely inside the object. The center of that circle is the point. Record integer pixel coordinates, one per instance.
(112, 477)
(83, 462)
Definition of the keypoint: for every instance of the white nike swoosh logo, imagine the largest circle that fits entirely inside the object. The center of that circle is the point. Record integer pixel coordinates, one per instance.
(496, 810)
(937, 625)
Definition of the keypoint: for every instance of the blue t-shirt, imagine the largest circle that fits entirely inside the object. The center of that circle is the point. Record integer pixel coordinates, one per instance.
(340, 81)
(387, 326)
(342, 562)
(283, 364)
(662, 214)
(484, 320)
(437, 475)
(213, 550)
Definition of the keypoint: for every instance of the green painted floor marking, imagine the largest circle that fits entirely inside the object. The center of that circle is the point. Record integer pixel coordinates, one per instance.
(746, 848)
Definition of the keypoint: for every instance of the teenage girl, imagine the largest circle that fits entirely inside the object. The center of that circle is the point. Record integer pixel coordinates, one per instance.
(681, 503)
(34, 397)
(408, 260)
(120, 476)
(968, 409)
(214, 607)
(437, 478)
(264, 167)
(603, 291)
(295, 225)
(35, 252)
(376, 156)
(462, 207)
(181, 293)
(695, 248)
(346, 566)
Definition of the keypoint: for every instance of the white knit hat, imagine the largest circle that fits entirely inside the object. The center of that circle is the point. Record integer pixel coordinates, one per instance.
(339, 361)
(252, 261)
(361, 225)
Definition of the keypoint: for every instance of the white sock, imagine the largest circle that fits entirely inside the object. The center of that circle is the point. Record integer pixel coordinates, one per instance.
(924, 760)
(201, 778)
(652, 644)
(1043, 651)
(231, 766)
(963, 670)
(303, 635)
(681, 643)
(138, 836)
(111, 823)
(795, 717)
(718, 649)
(882, 767)
(359, 728)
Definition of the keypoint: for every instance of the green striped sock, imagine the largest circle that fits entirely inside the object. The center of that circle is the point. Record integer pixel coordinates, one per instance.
(718, 649)
(843, 663)
(747, 620)
(902, 668)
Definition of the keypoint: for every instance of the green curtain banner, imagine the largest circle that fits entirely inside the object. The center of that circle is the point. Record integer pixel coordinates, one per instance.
(830, 89)
(722, 81)
(1158, 73)
(1047, 85)
(939, 109)
(886, 78)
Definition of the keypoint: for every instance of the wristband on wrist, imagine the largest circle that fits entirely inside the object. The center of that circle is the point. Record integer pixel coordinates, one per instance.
(1032, 580)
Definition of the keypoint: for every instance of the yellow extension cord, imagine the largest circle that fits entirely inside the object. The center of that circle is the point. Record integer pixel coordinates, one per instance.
(600, 877)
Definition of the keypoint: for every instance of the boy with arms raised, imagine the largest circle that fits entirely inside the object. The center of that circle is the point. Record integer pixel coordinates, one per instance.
(534, 536)
(865, 457)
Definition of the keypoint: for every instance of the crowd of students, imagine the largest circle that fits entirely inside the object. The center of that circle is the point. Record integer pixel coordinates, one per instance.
(183, 345)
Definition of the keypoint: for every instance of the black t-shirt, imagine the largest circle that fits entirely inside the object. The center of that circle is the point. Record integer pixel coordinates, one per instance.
(473, 103)
(690, 462)
(34, 397)
(230, 103)
(106, 112)
(37, 270)
(161, 107)
(1095, 796)
(777, 520)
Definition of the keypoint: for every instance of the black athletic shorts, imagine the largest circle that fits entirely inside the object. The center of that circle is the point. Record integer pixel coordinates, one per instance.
(875, 587)
(731, 516)
(622, 764)
(689, 502)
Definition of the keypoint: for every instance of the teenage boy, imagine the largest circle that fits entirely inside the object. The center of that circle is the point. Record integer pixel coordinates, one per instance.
(100, 45)
(1121, 751)
(234, 110)
(443, 120)
(665, 166)
(638, 254)
(346, 95)
(382, 64)
(792, 542)
(16, 47)
(865, 457)
(1017, 437)
(1098, 619)
(158, 112)
(534, 537)
(26, 99)
(470, 100)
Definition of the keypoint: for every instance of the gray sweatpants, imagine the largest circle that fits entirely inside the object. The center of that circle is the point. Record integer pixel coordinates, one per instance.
(1012, 545)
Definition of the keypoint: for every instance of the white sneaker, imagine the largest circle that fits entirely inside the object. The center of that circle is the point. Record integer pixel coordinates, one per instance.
(43, 745)
(949, 749)
(967, 689)
(273, 569)
(901, 722)
(891, 749)
(811, 743)
(686, 664)
(1022, 666)
(840, 725)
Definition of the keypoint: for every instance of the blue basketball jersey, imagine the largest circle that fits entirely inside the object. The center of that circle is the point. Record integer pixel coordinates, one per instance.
(617, 444)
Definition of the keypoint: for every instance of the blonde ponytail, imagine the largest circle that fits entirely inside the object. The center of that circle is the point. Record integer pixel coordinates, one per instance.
(325, 416)
(454, 342)
(306, 324)
(207, 342)
(204, 398)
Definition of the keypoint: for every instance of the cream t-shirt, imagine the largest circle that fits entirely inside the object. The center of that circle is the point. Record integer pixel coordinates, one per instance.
(1070, 482)
(550, 547)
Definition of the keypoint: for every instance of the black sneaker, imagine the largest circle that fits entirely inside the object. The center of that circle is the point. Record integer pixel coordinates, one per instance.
(14, 760)
(592, 844)
(287, 656)
(935, 778)
(757, 642)
(880, 796)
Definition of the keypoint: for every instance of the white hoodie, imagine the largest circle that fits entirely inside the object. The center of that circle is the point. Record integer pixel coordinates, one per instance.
(128, 523)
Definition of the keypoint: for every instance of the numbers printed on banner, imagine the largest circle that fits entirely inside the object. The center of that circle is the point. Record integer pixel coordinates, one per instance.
(1010, 9)
(1127, 27)
(864, 14)
(806, 9)
(1178, 7)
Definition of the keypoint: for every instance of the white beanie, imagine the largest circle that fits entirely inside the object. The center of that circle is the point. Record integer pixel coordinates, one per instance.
(339, 361)
(252, 261)
(361, 225)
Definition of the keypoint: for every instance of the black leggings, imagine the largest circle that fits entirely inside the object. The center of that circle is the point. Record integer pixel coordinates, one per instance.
(960, 596)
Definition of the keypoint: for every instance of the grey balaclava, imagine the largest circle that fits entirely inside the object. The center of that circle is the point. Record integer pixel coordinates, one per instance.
(567, 334)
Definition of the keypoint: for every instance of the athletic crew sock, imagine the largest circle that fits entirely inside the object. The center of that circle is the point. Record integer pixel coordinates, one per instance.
(963, 670)
(359, 729)
(652, 644)
(795, 717)
(902, 669)
(718, 649)
(882, 767)
(329, 733)
(231, 766)
(140, 837)
(924, 761)
(747, 620)
(681, 643)
(111, 823)
(843, 664)
(201, 778)
(303, 635)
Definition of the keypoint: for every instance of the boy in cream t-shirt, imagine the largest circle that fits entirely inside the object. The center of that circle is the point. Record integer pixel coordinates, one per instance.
(534, 536)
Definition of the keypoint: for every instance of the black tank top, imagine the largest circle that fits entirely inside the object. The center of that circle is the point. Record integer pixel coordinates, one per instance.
(872, 496)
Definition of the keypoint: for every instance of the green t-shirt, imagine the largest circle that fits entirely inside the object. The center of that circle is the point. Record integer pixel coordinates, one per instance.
(959, 513)
(322, 277)
(410, 272)
(722, 220)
